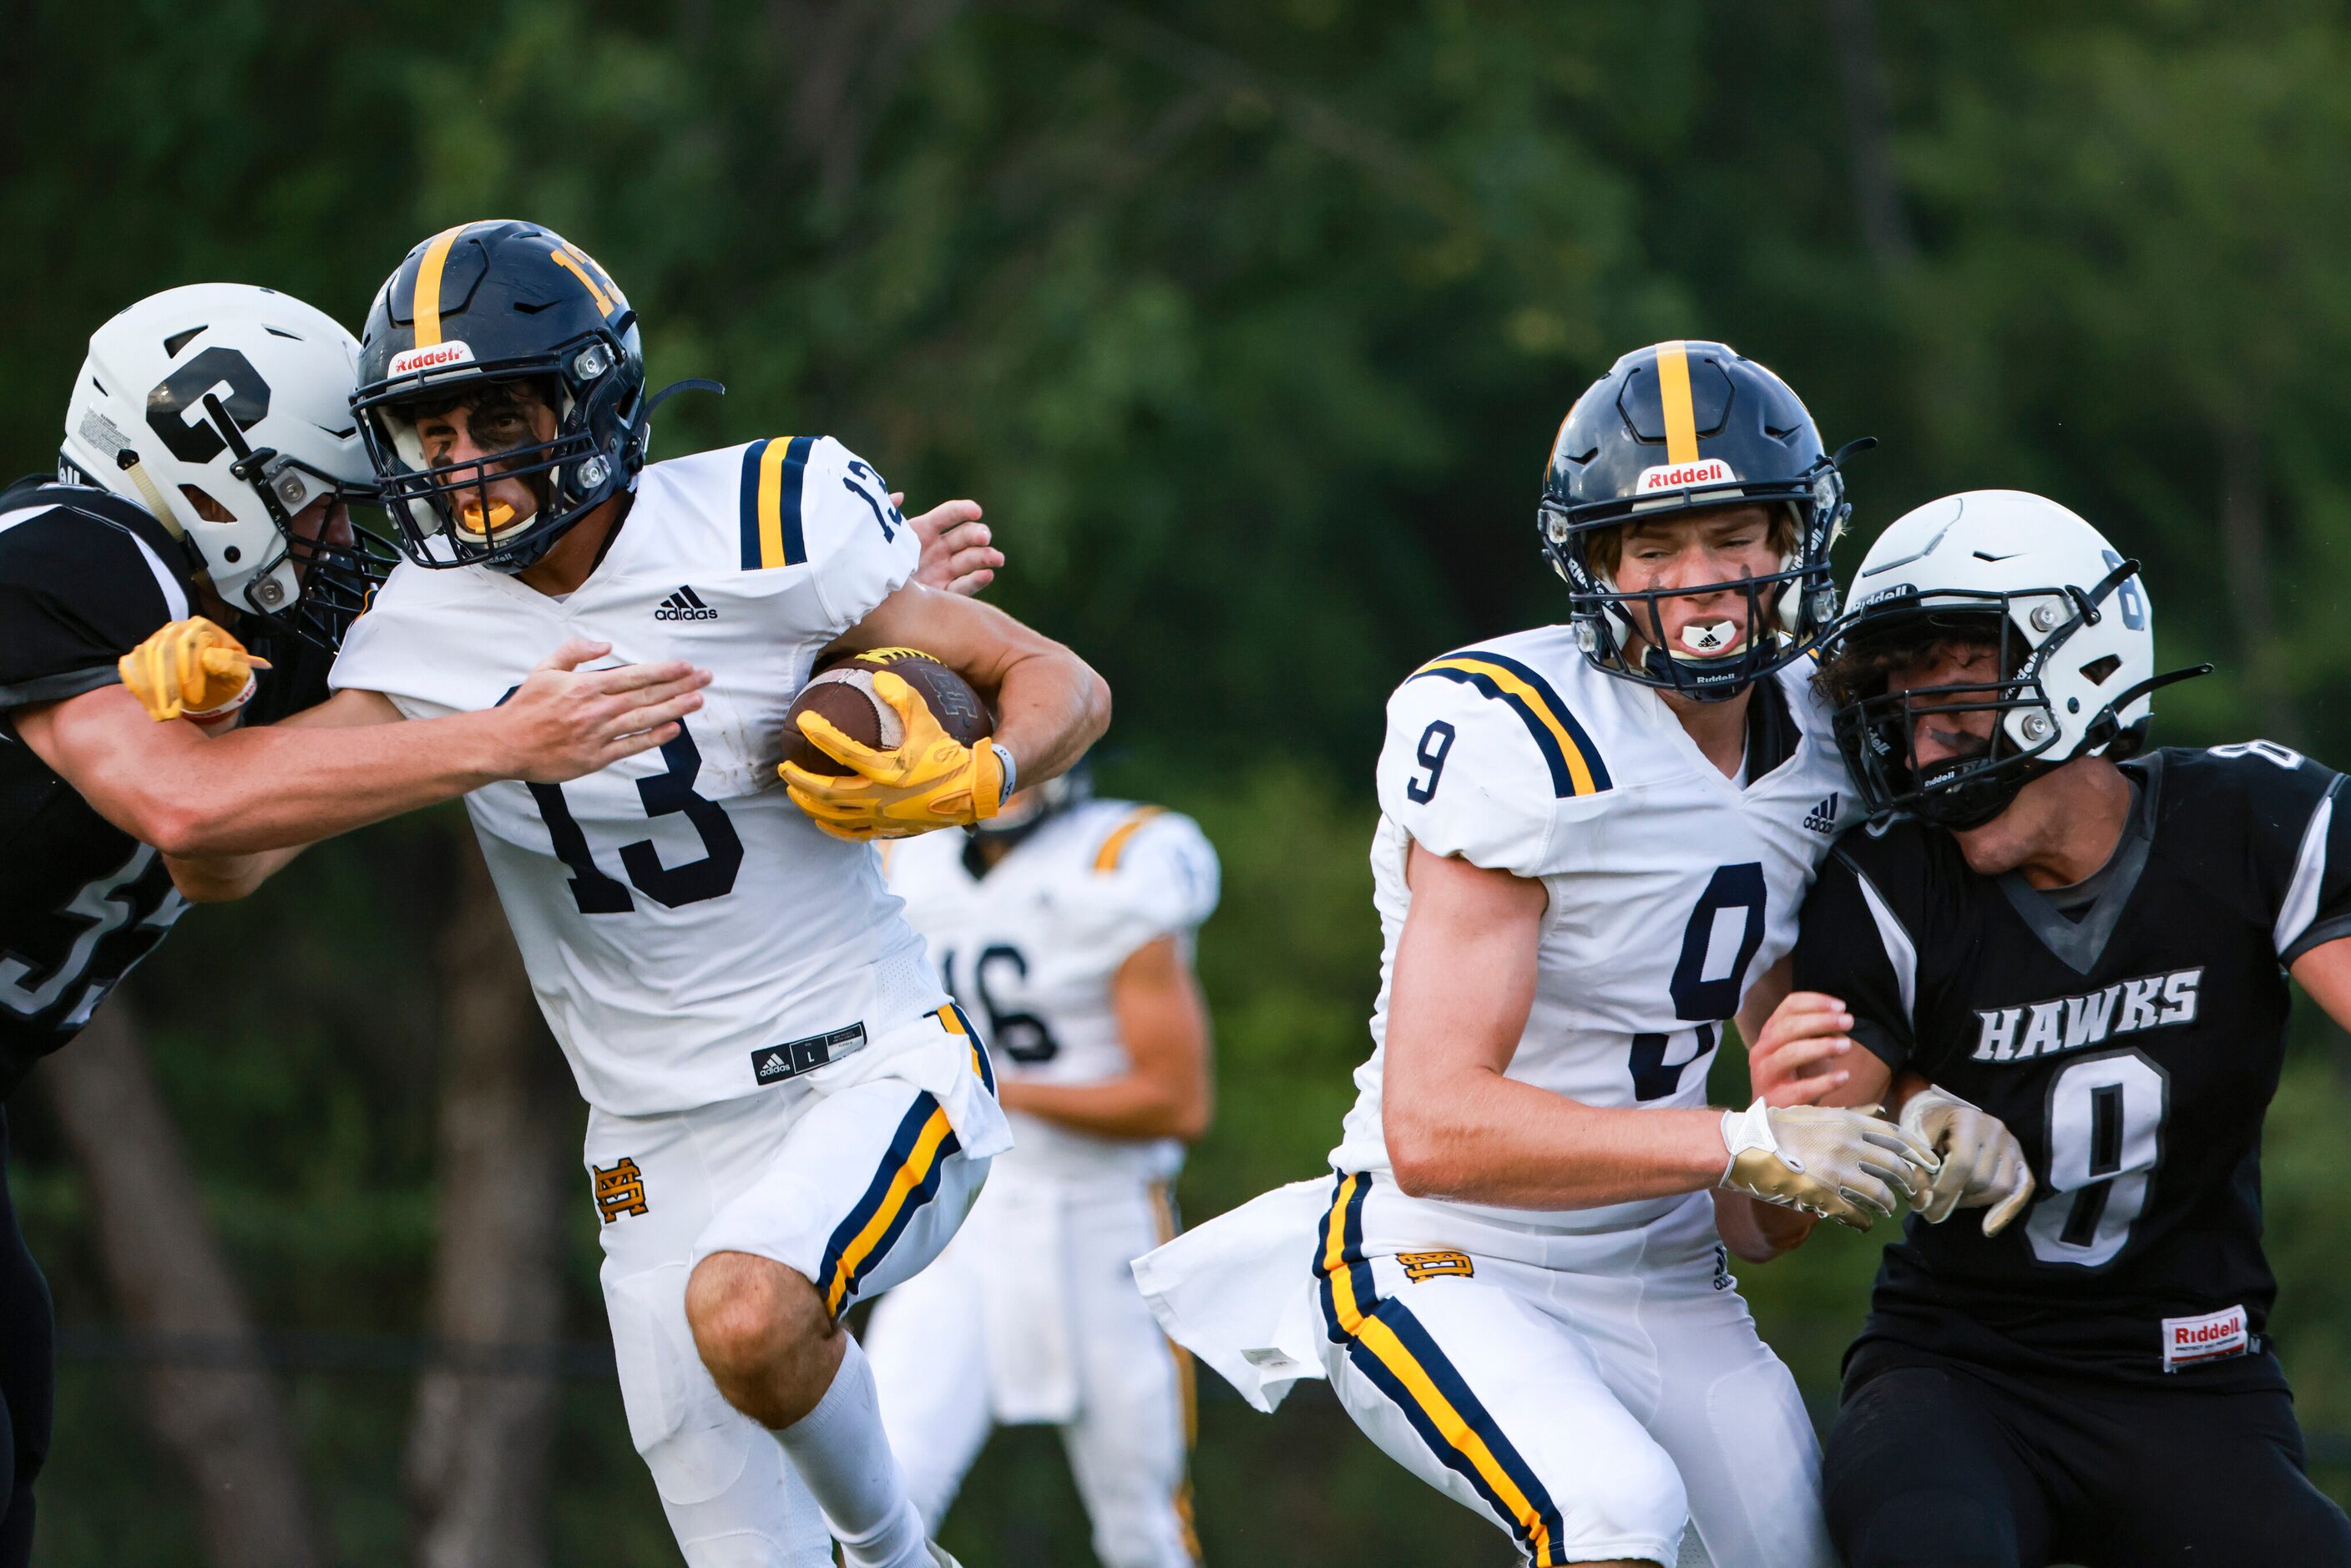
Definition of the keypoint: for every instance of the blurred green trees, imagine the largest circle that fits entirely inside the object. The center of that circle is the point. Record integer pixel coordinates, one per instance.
(1250, 324)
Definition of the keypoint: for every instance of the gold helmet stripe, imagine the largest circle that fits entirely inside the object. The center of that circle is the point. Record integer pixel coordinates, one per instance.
(426, 307)
(1674, 391)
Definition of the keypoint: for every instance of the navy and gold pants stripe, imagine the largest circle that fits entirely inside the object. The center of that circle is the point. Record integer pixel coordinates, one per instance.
(954, 1020)
(1397, 1354)
(907, 1178)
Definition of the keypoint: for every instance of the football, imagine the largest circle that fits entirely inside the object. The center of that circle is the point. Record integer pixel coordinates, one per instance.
(842, 691)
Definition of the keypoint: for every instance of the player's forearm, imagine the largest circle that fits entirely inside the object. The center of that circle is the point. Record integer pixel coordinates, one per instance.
(1758, 1232)
(278, 787)
(1051, 707)
(1478, 1136)
(1129, 1107)
(221, 879)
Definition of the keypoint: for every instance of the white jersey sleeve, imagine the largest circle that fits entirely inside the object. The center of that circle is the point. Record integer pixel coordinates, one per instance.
(861, 545)
(1155, 874)
(1463, 774)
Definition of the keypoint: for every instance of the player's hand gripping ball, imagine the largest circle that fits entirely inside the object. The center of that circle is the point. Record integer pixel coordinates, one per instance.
(889, 742)
(190, 669)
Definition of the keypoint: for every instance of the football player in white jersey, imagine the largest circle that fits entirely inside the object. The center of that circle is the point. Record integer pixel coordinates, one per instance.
(787, 1110)
(1594, 839)
(1065, 929)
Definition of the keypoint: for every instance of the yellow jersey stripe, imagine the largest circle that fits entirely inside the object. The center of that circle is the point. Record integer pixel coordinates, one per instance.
(426, 306)
(1107, 857)
(1674, 391)
(910, 1174)
(771, 502)
(1532, 703)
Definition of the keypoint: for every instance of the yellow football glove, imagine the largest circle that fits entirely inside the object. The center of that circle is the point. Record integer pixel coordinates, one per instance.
(930, 780)
(190, 669)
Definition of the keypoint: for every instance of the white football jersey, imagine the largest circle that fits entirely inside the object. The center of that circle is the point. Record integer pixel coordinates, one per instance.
(1671, 887)
(1031, 950)
(680, 917)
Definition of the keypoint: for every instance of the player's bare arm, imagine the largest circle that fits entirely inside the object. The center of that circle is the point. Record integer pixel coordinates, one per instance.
(344, 764)
(1458, 1127)
(1050, 703)
(1163, 1023)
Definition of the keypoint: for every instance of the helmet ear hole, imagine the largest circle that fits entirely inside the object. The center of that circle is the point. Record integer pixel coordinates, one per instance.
(2097, 671)
(205, 506)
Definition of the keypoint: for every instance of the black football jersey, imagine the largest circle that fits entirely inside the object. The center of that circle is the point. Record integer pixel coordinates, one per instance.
(85, 577)
(2130, 1038)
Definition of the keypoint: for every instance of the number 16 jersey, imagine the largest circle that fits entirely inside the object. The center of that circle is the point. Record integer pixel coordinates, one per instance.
(1670, 886)
(687, 929)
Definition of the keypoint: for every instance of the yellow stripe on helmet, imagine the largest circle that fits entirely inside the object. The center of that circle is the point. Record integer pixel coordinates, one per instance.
(1674, 391)
(426, 306)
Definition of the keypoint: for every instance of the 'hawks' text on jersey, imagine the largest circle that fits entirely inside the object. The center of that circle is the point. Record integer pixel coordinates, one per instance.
(2128, 1030)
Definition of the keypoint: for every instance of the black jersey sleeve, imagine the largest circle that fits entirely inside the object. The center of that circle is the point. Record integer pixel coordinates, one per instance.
(1854, 942)
(2298, 822)
(78, 590)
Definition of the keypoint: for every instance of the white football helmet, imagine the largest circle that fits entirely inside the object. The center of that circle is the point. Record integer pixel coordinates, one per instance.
(2069, 617)
(242, 394)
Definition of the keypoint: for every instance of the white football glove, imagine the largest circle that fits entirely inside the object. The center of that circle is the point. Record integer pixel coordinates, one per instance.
(1983, 1166)
(1851, 1167)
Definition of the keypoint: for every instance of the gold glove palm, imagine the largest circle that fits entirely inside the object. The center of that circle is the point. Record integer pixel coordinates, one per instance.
(190, 669)
(929, 779)
(1845, 1166)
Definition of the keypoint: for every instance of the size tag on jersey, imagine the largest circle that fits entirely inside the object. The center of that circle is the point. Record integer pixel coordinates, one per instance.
(774, 1063)
(2215, 1337)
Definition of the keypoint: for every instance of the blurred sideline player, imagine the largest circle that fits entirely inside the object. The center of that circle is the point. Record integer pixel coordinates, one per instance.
(2091, 943)
(204, 483)
(1592, 841)
(1065, 928)
(786, 1110)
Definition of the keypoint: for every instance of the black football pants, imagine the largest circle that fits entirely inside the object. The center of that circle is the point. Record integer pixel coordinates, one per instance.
(1964, 1467)
(27, 1374)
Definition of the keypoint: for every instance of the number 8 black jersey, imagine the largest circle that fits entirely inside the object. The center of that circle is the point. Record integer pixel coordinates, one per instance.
(2132, 1041)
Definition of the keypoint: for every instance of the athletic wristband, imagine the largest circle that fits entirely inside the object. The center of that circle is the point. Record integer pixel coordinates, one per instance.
(212, 716)
(1011, 775)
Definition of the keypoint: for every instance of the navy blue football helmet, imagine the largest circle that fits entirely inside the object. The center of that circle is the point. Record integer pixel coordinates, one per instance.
(501, 301)
(1686, 427)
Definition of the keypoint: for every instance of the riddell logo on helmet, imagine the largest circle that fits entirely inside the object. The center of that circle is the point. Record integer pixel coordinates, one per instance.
(438, 357)
(1686, 476)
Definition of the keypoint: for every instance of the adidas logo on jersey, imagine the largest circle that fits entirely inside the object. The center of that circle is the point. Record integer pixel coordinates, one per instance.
(684, 605)
(1822, 819)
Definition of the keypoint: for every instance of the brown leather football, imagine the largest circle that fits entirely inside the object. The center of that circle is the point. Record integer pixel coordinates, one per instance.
(842, 691)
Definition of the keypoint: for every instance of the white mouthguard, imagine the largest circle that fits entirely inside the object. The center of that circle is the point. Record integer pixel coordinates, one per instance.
(1701, 638)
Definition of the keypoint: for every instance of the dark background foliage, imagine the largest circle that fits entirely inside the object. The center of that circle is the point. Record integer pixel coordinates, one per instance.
(1250, 324)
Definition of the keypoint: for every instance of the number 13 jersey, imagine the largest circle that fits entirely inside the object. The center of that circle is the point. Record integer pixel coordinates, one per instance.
(2130, 1031)
(1671, 887)
(679, 916)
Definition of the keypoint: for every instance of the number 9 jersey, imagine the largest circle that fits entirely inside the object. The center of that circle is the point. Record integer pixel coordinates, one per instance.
(691, 936)
(1671, 886)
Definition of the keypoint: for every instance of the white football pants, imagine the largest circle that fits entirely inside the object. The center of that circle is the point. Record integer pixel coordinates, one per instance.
(1588, 1412)
(856, 1190)
(1031, 1315)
